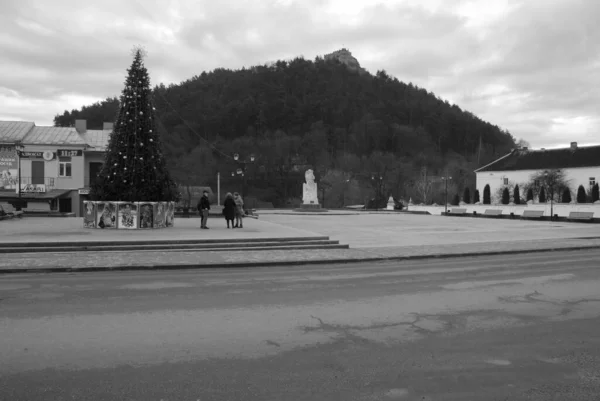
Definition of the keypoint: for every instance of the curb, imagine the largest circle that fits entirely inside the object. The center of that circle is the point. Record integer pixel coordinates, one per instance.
(290, 262)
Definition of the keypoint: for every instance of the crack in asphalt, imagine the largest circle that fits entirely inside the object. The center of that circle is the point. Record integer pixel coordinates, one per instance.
(532, 297)
(345, 330)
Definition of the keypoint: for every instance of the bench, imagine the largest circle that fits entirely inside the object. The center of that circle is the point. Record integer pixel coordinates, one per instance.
(457, 211)
(493, 212)
(581, 216)
(532, 214)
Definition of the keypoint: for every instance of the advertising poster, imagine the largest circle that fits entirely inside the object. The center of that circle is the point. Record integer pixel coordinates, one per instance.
(9, 167)
(147, 212)
(160, 215)
(128, 216)
(89, 214)
(106, 213)
(170, 215)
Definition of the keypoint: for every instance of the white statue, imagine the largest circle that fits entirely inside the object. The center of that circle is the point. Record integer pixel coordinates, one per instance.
(309, 189)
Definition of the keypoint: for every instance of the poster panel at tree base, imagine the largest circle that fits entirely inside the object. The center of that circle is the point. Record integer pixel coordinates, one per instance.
(106, 213)
(160, 216)
(170, 215)
(89, 214)
(128, 215)
(147, 211)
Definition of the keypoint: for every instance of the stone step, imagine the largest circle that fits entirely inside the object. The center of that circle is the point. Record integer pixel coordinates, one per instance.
(105, 242)
(198, 246)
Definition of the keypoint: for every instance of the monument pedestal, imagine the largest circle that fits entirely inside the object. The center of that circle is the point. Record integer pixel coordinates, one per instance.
(311, 207)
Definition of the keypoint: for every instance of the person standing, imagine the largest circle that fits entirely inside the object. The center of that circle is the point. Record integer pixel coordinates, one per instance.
(204, 209)
(229, 209)
(239, 210)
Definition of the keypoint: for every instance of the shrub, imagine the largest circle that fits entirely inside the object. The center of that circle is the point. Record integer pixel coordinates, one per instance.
(456, 200)
(476, 197)
(581, 195)
(566, 196)
(467, 195)
(517, 195)
(505, 197)
(543, 195)
(595, 193)
(486, 195)
(529, 194)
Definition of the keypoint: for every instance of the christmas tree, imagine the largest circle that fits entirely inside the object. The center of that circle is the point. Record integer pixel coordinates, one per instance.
(134, 167)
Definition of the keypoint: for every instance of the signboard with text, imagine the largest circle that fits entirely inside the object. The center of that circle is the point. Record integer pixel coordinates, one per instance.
(47, 155)
(69, 152)
(8, 157)
(33, 188)
(9, 165)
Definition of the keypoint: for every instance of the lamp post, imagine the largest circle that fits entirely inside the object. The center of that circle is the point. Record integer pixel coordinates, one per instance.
(550, 185)
(19, 148)
(446, 179)
(377, 179)
(241, 170)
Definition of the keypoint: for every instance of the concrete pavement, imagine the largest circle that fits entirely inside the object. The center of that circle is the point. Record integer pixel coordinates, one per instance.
(520, 327)
(370, 236)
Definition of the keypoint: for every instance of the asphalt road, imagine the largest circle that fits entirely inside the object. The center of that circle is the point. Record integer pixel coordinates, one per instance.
(519, 327)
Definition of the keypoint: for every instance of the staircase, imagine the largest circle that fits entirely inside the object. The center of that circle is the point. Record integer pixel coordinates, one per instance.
(253, 244)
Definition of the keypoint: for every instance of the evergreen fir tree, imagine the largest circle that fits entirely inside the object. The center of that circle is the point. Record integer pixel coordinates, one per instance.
(581, 195)
(542, 195)
(456, 200)
(134, 167)
(529, 194)
(517, 195)
(487, 197)
(505, 196)
(566, 196)
(467, 196)
(476, 196)
(595, 192)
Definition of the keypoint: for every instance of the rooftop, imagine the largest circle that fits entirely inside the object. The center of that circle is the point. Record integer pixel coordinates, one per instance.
(30, 134)
(14, 131)
(53, 136)
(546, 159)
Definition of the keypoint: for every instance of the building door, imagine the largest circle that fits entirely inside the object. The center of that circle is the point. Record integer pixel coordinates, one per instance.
(64, 205)
(95, 168)
(37, 172)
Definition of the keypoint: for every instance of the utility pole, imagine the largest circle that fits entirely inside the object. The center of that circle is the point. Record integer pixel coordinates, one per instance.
(218, 188)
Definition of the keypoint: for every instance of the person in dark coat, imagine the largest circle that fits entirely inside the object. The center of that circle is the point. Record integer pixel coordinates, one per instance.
(204, 209)
(229, 207)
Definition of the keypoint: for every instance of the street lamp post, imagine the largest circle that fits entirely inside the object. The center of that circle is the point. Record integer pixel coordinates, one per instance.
(19, 149)
(377, 179)
(446, 179)
(241, 170)
(550, 186)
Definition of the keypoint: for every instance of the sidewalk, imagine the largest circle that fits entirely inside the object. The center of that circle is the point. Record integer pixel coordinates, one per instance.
(371, 238)
(106, 261)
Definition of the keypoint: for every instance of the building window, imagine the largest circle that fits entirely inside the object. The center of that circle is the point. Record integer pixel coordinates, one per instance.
(64, 169)
(592, 181)
(505, 181)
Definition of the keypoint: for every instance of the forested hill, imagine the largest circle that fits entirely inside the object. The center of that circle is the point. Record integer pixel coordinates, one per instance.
(299, 113)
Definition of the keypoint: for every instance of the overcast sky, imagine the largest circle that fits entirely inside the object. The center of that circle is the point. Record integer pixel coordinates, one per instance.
(529, 66)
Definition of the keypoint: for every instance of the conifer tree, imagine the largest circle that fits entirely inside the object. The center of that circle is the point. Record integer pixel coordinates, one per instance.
(476, 196)
(467, 195)
(566, 196)
(542, 195)
(505, 196)
(581, 195)
(134, 167)
(487, 195)
(529, 194)
(595, 192)
(517, 195)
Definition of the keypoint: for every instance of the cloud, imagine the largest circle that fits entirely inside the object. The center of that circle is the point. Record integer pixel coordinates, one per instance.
(529, 66)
